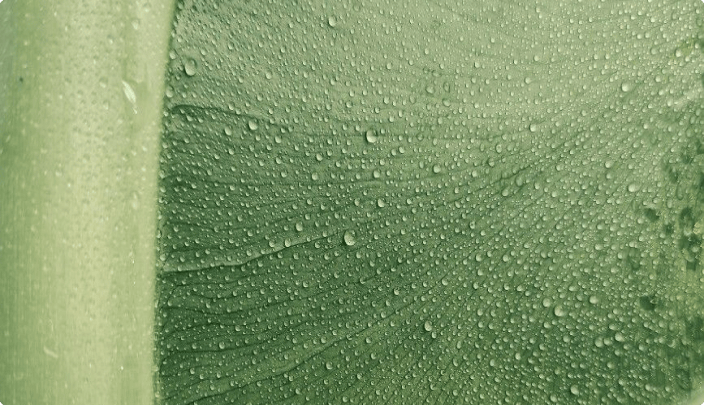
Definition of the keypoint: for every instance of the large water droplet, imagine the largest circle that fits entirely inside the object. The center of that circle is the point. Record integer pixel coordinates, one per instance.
(371, 136)
(349, 238)
(190, 67)
(560, 311)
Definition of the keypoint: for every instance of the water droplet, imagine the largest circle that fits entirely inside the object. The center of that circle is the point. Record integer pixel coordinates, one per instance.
(252, 125)
(428, 326)
(349, 238)
(332, 21)
(626, 87)
(190, 67)
(559, 311)
(371, 136)
(129, 92)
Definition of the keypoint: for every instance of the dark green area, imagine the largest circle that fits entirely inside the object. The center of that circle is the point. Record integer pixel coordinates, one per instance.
(432, 202)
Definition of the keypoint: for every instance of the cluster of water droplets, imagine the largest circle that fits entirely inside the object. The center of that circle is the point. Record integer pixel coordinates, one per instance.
(452, 203)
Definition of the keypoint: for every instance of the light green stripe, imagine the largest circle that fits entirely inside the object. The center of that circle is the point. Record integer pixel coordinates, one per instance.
(80, 99)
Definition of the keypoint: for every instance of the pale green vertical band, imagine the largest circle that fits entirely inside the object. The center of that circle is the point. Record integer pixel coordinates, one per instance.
(81, 84)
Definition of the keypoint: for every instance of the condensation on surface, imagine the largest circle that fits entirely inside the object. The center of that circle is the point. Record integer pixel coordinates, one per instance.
(444, 202)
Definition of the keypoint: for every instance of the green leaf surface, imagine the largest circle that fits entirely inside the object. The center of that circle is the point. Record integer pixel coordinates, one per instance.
(432, 202)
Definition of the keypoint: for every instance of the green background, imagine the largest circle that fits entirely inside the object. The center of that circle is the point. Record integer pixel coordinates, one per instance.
(355, 201)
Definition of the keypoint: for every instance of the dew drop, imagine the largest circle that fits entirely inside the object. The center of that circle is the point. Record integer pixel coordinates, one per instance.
(559, 311)
(349, 238)
(190, 67)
